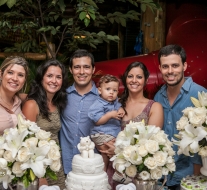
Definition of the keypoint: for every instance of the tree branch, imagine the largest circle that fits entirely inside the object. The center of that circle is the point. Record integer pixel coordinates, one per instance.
(61, 39)
(43, 34)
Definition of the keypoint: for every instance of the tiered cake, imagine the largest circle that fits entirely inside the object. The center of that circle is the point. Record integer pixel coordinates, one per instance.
(194, 183)
(87, 170)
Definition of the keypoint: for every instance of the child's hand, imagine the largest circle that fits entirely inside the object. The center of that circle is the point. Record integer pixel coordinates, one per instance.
(121, 112)
(115, 114)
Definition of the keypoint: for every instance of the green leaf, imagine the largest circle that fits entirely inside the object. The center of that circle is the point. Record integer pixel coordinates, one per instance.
(111, 20)
(82, 15)
(56, 17)
(86, 21)
(110, 37)
(91, 11)
(61, 5)
(64, 21)
(90, 2)
(2, 2)
(25, 181)
(101, 33)
(92, 16)
(92, 45)
(32, 175)
(122, 21)
(53, 32)
(70, 21)
(116, 19)
(143, 7)
(51, 174)
(11, 3)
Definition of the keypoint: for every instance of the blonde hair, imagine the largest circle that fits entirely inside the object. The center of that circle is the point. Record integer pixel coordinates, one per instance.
(12, 60)
(15, 60)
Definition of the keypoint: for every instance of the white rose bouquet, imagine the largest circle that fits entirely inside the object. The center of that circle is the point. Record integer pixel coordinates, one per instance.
(143, 150)
(26, 152)
(192, 127)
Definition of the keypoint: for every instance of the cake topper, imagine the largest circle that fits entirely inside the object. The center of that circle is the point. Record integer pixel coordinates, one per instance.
(86, 147)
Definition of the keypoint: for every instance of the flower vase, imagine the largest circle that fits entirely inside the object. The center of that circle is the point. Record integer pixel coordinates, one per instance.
(148, 184)
(204, 167)
(144, 184)
(32, 186)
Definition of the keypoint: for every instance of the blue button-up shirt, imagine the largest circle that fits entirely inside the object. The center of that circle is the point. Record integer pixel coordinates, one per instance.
(75, 123)
(99, 108)
(184, 164)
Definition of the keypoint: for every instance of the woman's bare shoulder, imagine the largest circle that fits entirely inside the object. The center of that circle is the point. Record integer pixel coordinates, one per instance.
(29, 105)
(30, 110)
(157, 105)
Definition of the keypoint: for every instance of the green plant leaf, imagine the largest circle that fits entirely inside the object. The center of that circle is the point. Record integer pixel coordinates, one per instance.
(2, 2)
(143, 7)
(32, 175)
(51, 174)
(61, 5)
(92, 16)
(53, 31)
(111, 20)
(91, 2)
(86, 21)
(56, 17)
(64, 21)
(11, 3)
(82, 15)
(122, 21)
(92, 45)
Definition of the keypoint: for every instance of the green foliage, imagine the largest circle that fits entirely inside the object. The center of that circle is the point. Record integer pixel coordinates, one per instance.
(51, 174)
(49, 21)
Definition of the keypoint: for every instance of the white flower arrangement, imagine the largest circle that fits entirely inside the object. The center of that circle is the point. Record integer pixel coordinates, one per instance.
(26, 152)
(143, 150)
(192, 127)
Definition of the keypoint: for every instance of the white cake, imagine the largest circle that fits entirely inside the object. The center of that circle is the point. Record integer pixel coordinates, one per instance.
(194, 182)
(87, 174)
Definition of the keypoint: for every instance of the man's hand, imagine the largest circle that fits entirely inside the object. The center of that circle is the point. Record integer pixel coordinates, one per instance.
(110, 151)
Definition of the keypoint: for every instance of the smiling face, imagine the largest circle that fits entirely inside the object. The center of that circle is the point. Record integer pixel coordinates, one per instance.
(135, 80)
(172, 69)
(82, 72)
(13, 79)
(52, 80)
(109, 91)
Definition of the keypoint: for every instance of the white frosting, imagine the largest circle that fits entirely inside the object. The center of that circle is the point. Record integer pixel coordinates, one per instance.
(89, 166)
(194, 182)
(87, 174)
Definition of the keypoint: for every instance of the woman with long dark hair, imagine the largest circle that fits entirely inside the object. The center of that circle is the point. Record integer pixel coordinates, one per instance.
(136, 106)
(45, 101)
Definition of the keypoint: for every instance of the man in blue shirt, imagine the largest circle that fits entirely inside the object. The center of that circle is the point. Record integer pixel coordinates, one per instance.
(175, 97)
(81, 95)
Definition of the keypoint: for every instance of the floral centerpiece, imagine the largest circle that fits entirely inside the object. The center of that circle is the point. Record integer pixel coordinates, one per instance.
(143, 150)
(26, 153)
(192, 127)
